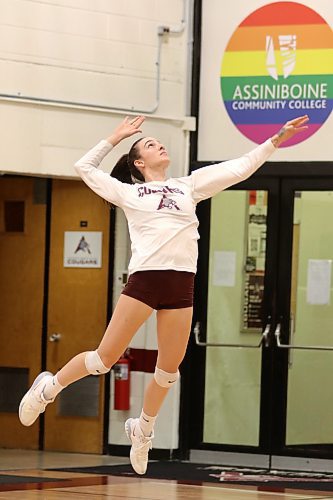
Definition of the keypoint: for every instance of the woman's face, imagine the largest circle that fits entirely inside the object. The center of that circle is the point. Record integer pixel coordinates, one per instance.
(152, 154)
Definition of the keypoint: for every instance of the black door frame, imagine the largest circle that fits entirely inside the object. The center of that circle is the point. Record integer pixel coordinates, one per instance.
(194, 367)
(276, 307)
(288, 189)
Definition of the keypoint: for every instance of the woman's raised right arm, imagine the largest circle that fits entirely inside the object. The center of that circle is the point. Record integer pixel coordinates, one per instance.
(100, 182)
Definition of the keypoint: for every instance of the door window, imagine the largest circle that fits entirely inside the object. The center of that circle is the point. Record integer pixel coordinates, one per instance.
(237, 251)
(310, 391)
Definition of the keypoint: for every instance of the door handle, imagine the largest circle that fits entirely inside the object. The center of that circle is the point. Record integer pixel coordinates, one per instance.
(55, 337)
(263, 339)
(277, 335)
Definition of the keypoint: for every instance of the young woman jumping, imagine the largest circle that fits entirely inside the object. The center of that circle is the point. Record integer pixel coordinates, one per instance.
(162, 223)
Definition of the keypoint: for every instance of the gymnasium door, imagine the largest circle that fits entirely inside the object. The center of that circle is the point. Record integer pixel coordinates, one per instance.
(76, 318)
(263, 327)
(50, 312)
(22, 252)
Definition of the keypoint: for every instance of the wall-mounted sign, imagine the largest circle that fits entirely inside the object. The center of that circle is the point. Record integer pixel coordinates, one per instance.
(276, 66)
(264, 62)
(83, 249)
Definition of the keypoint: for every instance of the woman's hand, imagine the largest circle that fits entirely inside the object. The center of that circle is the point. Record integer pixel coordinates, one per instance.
(290, 129)
(127, 128)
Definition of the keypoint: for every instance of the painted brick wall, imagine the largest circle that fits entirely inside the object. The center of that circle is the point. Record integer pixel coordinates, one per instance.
(101, 53)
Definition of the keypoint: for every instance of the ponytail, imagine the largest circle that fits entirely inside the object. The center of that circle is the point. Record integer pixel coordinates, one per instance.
(125, 170)
(121, 170)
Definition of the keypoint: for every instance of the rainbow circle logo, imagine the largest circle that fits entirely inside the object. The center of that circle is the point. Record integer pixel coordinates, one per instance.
(278, 65)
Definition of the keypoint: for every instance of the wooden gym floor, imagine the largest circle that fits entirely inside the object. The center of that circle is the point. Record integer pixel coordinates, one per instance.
(77, 486)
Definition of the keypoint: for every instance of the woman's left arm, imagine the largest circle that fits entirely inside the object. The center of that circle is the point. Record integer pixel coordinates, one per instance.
(210, 180)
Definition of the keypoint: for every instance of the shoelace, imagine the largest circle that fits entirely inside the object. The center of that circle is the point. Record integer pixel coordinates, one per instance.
(38, 401)
(145, 444)
(143, 450)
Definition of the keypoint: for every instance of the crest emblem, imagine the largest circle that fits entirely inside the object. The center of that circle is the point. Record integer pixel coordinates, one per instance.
(167, 203)
(287, 48)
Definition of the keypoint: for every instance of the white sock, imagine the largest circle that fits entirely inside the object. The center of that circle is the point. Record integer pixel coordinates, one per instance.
(146, 423)
(52, 388)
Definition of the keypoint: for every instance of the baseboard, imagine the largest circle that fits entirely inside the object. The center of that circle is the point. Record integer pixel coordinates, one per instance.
(229, 458)
(122, 450)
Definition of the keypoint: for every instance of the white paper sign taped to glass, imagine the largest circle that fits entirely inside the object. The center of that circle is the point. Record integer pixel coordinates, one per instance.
(318, 288)
(83, 249)
(224, 270)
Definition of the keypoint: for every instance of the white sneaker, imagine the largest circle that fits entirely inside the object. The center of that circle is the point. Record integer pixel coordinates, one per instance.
(141, 445)
(33, 402)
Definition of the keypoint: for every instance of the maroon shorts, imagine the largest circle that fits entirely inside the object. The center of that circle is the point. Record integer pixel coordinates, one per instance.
(161, 289)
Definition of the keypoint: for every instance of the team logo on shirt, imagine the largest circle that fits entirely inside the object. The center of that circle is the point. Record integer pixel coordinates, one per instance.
(167, 203)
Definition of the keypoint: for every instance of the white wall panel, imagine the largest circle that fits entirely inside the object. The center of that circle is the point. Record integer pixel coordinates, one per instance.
(118, 418)
(151, 334)
(166, 427)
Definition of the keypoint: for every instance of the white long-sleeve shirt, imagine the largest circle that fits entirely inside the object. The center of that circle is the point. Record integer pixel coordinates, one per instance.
(161, 217)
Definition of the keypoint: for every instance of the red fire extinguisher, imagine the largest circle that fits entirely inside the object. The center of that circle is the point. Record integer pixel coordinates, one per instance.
(122, 379)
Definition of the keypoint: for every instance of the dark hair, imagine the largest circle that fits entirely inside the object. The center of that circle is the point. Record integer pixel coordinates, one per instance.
(125, 170)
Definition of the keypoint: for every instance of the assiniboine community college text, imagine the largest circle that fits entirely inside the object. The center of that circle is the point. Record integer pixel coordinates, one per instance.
(279, 96)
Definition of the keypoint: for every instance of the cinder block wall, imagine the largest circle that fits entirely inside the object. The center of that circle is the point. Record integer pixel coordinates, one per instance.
(72, 68)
